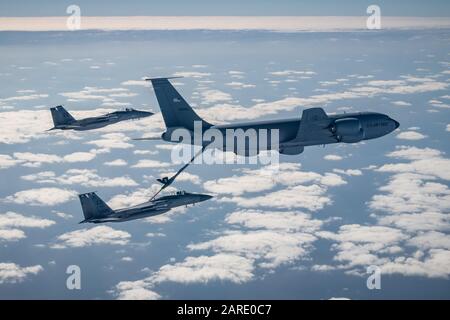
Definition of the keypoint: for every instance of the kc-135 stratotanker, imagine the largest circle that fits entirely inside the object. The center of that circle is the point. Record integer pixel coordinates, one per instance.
(314, 128)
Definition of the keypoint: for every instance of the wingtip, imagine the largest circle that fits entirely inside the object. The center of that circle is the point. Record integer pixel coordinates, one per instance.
(162, 78)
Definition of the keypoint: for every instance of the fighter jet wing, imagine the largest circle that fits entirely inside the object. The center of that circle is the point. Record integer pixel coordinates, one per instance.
(313, 125)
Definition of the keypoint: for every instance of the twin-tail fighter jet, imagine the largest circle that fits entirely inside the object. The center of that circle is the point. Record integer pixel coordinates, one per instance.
(63, 120)
(95, 210)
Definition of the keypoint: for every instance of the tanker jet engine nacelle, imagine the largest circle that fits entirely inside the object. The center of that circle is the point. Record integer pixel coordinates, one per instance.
(348, 130)
(291, 150)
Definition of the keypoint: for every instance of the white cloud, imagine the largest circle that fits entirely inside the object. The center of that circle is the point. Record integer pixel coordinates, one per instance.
(411, 212)
(436, 264)
(42, 196)
(191, 74)
(203, 269)
(13, 273)
(238, 185)
(126, 259)
(272, 247)
(312, 197)
(411, 135)
(140, 152)
(148, 163)
(431, 240)
(349, 172)
(24, 98)
(11, 221)
(333, 157)
(36, 159)
(386, 83)
(414, 153)
(401, 103)
(291, 73)
(267, 178)
(215, 96)
(29, 159)
(128, 290)
(79, 157)
(63, 215)
(439, 167)
(274, 220)
(359, 246)
(413, 222)
(134, 83)
(112, 141)
(152, 234)
(427, 161)
(84, 177)
(411, 193)
(116, 163)
(93, 93)
(11, 234)
(239, 85)
(100, 235)
(365, 234)
(7, 161)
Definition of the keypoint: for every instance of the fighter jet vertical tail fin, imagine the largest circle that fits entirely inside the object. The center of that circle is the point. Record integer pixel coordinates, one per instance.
(94, 207)
(61, 116)
(175, 110)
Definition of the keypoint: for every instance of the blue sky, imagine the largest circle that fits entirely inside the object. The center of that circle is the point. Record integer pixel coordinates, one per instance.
(232, 7)
(308, 231)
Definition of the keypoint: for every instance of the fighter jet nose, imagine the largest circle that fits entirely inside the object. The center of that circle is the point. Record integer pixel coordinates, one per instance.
(205, 197)
(146, 114)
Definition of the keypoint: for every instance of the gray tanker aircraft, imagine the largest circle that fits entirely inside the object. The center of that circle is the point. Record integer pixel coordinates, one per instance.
(95, 210)
(63, 120)
(314, 128)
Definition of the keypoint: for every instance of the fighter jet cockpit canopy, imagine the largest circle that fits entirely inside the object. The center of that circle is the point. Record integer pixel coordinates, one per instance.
(181, 193)
(128, 109)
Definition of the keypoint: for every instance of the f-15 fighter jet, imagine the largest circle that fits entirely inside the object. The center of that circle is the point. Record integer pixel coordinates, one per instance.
(95, 210)
(63, 120)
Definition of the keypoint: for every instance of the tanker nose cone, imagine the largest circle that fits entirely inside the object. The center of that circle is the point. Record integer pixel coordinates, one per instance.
(396, 123)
